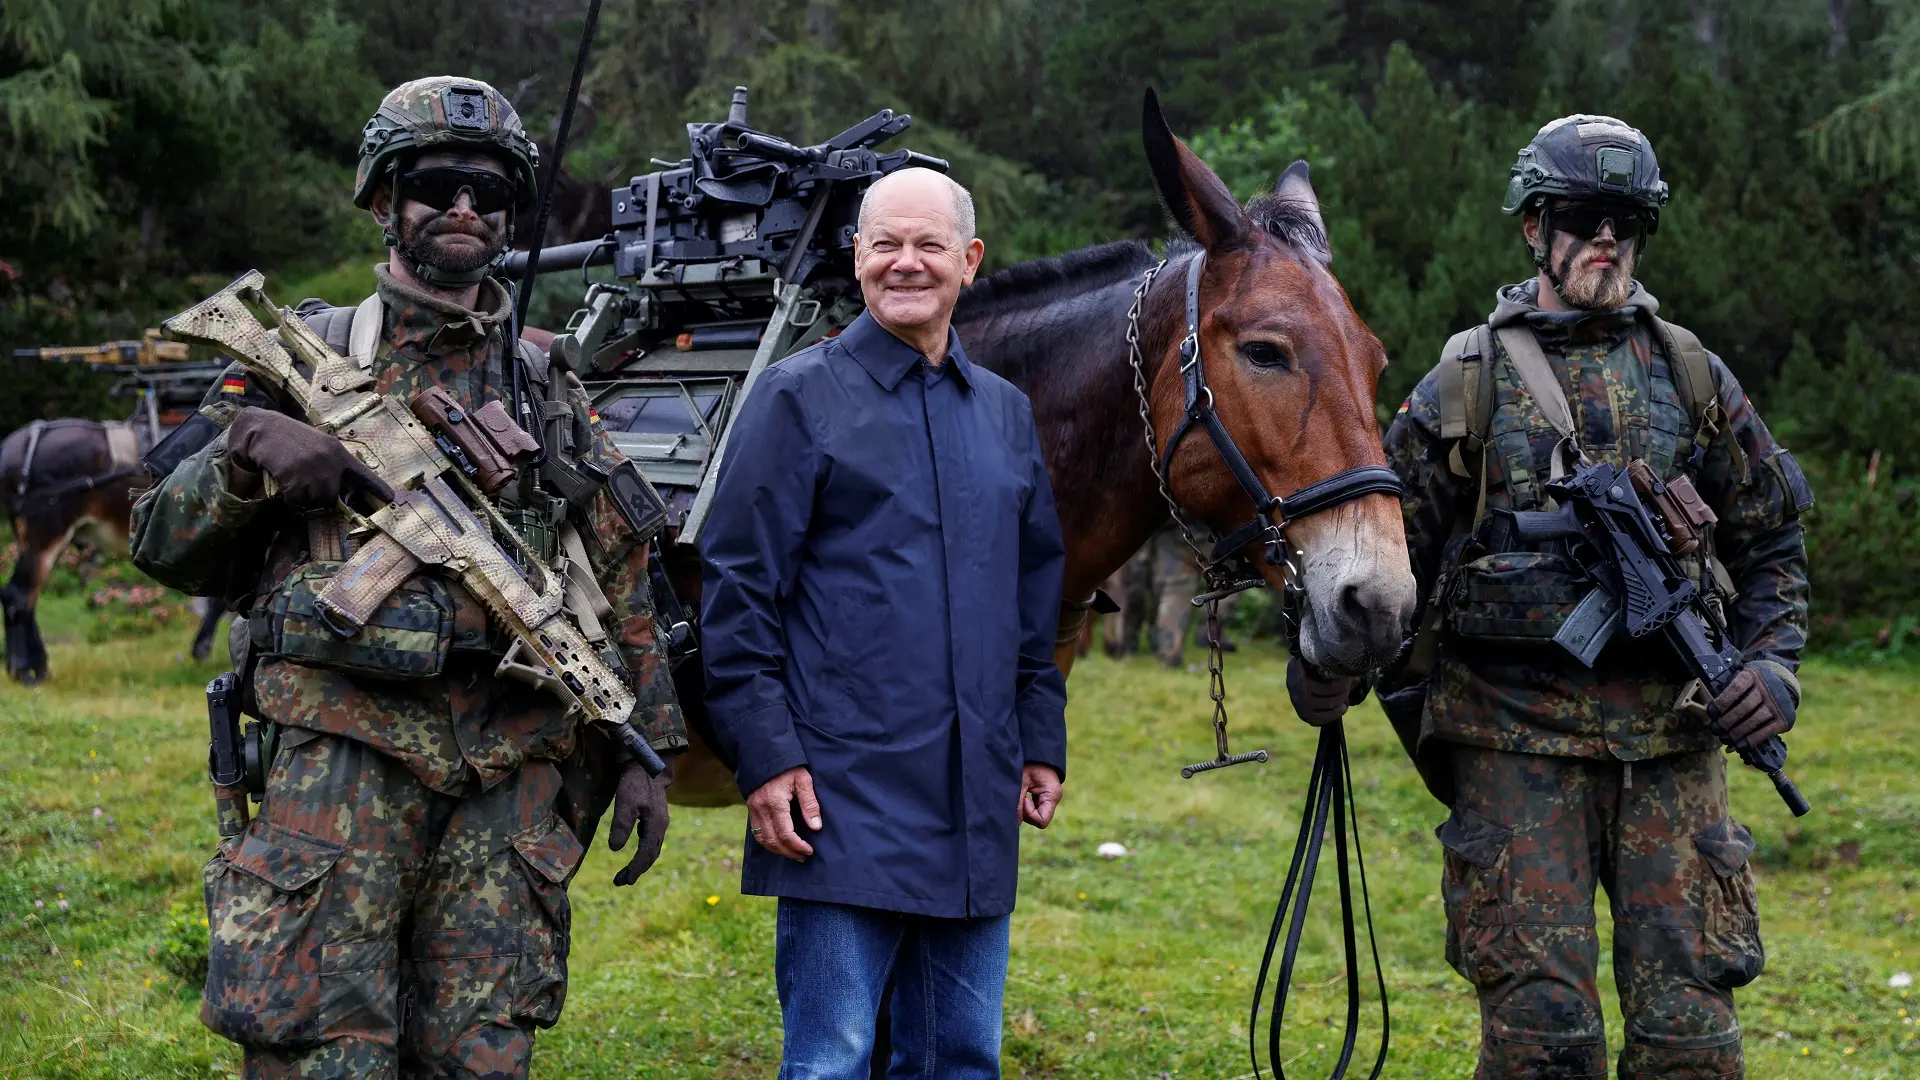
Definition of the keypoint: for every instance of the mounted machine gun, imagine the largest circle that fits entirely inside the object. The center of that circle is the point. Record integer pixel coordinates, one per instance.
(163, 373)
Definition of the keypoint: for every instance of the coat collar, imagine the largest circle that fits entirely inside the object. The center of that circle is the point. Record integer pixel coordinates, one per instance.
(888, 359)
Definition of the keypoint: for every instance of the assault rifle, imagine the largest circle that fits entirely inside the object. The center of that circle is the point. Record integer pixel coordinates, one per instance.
(1641, 588)
(439, 517)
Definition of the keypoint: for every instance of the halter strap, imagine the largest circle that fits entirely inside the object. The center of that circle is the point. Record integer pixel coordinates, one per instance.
(1340, 488)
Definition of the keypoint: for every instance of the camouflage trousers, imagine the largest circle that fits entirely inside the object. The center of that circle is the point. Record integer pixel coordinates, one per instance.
(1530, 839)
(367, 926)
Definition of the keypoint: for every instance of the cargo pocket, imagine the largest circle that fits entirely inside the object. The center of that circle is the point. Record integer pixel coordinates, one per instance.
(1473, 887)
(264, 956)
(1732, 954)
(549, 854)
(1518, 597)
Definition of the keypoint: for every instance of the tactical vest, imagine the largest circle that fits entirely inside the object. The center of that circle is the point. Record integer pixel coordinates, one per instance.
(355, 332)
(425, 620)
(1495, 588)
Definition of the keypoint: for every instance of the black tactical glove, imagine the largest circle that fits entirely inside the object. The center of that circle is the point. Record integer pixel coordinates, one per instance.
(311, 466)
(1755, 706)
(640, 799)
(1318, 699)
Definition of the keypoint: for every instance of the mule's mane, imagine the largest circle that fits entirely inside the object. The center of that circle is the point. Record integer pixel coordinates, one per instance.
(1041, 282)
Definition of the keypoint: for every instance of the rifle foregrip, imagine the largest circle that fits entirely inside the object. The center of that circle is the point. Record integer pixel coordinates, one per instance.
(1790, 794)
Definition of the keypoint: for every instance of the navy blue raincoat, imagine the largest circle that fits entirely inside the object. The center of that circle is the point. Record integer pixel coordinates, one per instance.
(881, 589)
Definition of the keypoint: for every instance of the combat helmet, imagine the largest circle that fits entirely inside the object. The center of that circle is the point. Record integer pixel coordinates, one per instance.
(443, 113)
(1588, 157)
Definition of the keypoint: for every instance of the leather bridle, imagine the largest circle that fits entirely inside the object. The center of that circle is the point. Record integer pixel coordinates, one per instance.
(1329, 788)
(1271, 513)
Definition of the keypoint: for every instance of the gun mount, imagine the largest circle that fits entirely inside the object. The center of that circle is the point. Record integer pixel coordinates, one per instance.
(726, 261)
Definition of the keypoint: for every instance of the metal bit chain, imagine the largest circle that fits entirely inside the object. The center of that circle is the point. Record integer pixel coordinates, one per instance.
(1146, 422)
(1219, 583)
(1217, 679)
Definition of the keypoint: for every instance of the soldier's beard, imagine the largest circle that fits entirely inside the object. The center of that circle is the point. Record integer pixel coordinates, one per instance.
(1593, 287)
(428, 244)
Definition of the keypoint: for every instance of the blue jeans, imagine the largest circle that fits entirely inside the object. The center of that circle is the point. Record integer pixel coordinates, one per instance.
(831, 962)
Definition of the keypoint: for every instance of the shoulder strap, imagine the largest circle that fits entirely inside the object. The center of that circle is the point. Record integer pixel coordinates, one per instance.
(1693, 378)
(1530, 361)
(1466, 396)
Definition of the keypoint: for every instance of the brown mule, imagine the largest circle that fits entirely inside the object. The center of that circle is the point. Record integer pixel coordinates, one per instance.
(1293, 373)
(62, 480)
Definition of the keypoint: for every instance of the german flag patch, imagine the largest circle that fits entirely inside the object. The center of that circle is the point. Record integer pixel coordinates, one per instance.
(593, 414)
(233, 384)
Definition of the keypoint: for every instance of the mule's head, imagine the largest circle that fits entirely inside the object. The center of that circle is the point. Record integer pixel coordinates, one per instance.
(1293, 372)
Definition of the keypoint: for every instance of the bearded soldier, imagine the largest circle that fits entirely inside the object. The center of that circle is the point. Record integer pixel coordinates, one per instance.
(1562, 776)
(399, 903)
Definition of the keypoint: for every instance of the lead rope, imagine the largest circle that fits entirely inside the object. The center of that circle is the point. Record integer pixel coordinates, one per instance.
(1327, 789)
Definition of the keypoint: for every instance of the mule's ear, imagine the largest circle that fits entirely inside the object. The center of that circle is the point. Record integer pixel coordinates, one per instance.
(1296, 191)
(1201, 205)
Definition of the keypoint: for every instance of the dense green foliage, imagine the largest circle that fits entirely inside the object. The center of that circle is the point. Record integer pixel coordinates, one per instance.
(155, 146)
(1122, 968)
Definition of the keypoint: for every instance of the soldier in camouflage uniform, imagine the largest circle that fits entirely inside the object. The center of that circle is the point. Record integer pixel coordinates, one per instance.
(399, 904)
(1159, 582)
(1565, 778)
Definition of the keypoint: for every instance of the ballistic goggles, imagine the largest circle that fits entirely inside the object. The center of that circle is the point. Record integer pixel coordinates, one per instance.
(440, 188)
(1585, 219)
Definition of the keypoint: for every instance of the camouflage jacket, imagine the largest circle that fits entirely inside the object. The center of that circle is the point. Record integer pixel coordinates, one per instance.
(1497, 682)
(463, 726)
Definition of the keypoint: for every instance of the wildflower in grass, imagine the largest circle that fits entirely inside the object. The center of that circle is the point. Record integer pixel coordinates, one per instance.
(712, 900)
(1083, 896)
(63, 905)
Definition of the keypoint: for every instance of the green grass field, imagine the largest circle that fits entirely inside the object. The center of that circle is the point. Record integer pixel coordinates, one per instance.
(1136, 967)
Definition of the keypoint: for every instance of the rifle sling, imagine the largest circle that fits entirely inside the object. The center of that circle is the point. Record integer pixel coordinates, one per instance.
(1523, 349)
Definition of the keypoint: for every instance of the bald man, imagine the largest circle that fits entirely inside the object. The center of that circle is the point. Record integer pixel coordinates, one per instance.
(882, 572)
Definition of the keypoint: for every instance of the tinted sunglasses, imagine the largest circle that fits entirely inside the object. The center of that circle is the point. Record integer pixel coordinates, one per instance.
(1584, 220)
(440, 188)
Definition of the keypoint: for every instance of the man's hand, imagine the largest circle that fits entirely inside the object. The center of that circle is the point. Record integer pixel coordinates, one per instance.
(640, 800)
(1755, 706)
(1318, 699)
(311, 466)
(770, 813)
(1039, 794)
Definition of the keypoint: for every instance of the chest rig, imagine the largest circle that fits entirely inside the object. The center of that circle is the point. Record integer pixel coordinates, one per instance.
(536, 500)
(1665, 415)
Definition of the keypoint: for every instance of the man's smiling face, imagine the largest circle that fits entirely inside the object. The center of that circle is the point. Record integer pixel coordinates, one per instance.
(910, 256)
